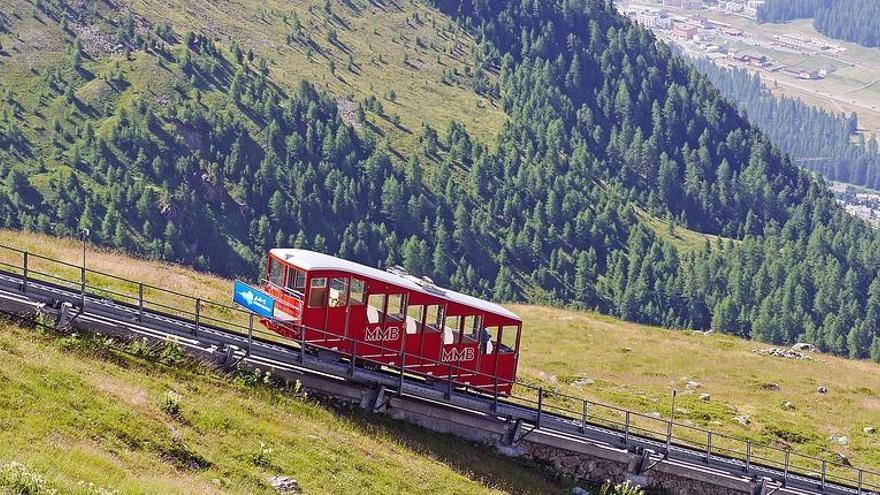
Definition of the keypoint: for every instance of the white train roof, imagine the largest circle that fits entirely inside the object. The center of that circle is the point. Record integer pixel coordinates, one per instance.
(311, 260)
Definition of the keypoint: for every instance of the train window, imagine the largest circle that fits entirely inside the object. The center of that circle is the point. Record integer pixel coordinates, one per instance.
(338, 292)
(276, 270)
(451, 329)
(357, 292)
(488, 340)
(296, 280)
(414, 318)
(395, 306)
(375, 307)
(508, 338)
(318, 292)
(434, 317)
(472, 326)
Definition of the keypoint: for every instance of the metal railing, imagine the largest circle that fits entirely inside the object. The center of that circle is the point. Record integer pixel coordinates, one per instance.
(672, 437)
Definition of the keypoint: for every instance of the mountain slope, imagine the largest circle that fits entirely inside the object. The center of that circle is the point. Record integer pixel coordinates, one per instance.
(194, 150)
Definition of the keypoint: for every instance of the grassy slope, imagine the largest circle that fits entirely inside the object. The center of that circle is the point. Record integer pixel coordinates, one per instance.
(76, 419)
(637, 367)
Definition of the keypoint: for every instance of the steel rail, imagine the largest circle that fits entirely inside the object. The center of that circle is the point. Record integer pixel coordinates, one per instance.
(543, 415)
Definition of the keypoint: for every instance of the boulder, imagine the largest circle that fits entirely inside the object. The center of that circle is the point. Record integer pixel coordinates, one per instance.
(839, 439)
(822, 390)
(787, 406)
(743, 420)
(803, 347)
(781, 353)
(583, 381)
(654, 414)
(693, 385)
(579, 491)
(869, 430)
(705, 397)
(770, 386)
(285, 484)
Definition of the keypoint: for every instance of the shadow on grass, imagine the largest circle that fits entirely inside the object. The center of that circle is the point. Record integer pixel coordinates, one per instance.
(472, 460)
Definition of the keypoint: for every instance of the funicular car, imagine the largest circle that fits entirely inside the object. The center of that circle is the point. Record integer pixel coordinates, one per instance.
(392, 318)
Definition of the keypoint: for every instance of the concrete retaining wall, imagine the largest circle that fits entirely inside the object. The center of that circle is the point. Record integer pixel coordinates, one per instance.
(571, 456)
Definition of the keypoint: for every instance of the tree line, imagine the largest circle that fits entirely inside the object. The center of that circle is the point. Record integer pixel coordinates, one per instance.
(819, 140)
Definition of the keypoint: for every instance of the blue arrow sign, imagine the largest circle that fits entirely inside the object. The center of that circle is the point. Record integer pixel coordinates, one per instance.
(255, 301)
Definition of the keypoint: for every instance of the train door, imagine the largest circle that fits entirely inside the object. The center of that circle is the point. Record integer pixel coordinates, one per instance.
(356, 325)
(412, 336)
(315, 315)
(337, 314)
(384, 331)
(432, 340)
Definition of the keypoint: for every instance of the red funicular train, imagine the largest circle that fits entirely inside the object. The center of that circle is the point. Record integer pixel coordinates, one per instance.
(392, 318)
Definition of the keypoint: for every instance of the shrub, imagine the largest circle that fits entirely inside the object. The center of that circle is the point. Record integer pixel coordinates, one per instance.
(620, 489)
(141, 348)
(18, 479)
(170, 403)
(172, 353)
(262, 457)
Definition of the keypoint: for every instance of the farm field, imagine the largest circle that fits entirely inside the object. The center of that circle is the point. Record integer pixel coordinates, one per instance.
(89, 419)
(584, 354)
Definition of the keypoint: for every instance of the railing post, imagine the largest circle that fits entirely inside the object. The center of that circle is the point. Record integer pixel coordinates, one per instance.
(495, 395)
(785, 469)
(198, 316)
(140, 301)
(748, 455)
(302, 345)
(540, 404)
(668, 438)
(824, 466)
(708, 447)
(626, 430)
(448, 382)
(584, 416)
(400, 379)
(354, 346)
(861, 480)
(250, 333)
(82, 272)
(25, 272)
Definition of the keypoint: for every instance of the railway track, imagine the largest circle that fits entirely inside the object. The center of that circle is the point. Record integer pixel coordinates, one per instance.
(21, 294)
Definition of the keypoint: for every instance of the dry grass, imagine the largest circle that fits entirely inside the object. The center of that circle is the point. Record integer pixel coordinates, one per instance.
(638, 367)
